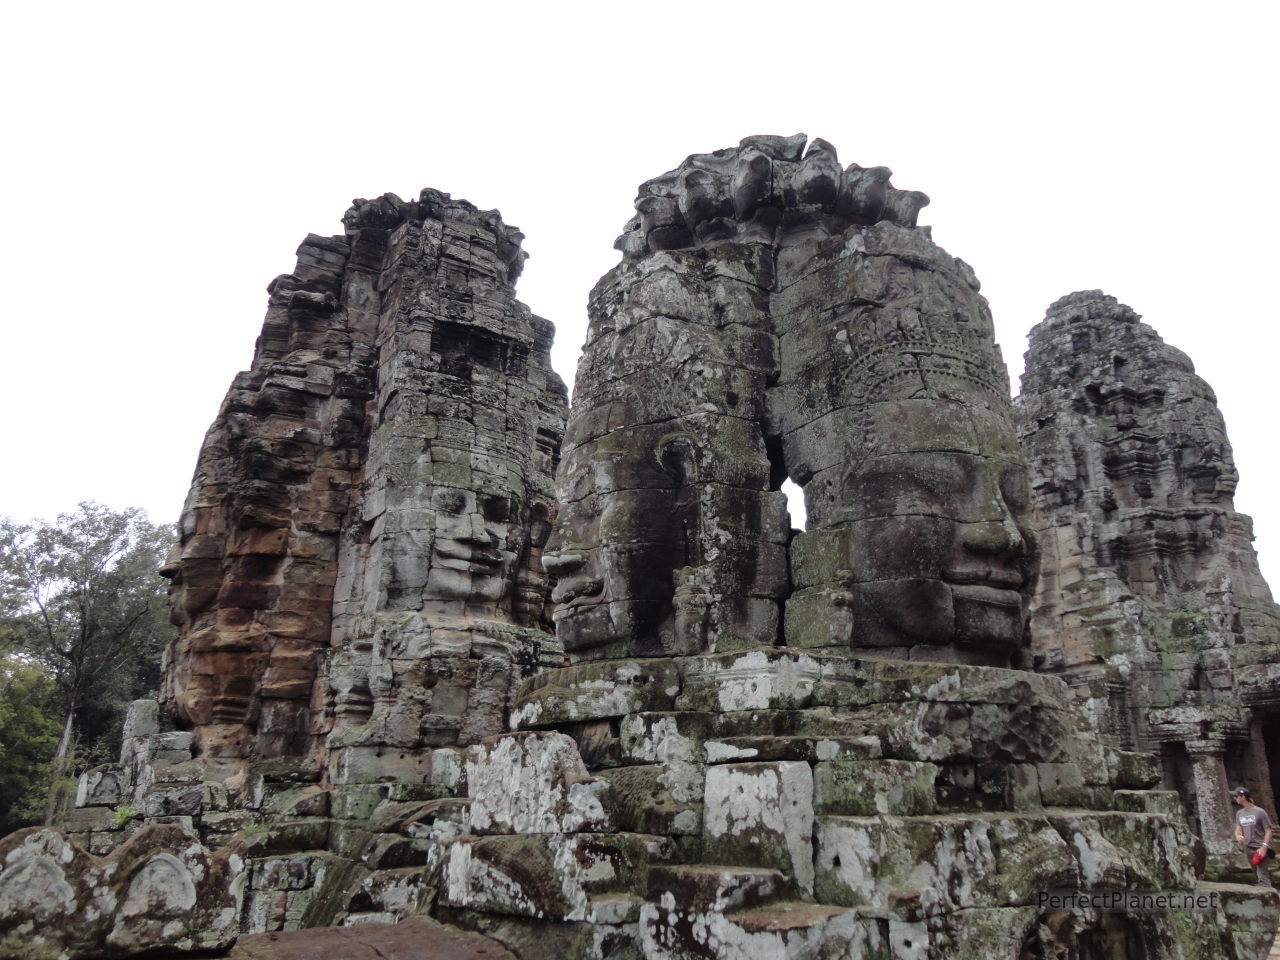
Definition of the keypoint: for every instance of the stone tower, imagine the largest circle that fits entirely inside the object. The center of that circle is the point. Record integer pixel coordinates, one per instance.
(1150, 602)
(359, 575)
(776, 315)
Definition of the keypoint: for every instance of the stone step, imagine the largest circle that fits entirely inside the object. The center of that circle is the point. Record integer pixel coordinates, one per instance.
(792, 929)
(784, 915)
(716, 888)
(418, 938)
(614, 908)
(812, 749)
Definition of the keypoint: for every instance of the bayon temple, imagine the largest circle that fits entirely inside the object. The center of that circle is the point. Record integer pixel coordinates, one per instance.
(461, 667)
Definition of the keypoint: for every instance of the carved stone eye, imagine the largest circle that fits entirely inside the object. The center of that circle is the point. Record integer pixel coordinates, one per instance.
(451, 501)
(496, 508)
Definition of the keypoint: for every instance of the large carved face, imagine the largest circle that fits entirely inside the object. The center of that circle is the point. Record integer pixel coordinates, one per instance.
(947, 562)
(478, 538)
(620, 537)
(458, 552)
(932, 524)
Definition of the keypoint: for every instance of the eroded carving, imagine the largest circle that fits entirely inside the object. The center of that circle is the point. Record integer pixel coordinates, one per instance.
(777, 316)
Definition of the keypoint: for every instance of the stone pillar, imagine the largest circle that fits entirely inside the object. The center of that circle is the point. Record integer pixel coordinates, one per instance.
(1258, 773)
(1213, 803)
(1119, 713)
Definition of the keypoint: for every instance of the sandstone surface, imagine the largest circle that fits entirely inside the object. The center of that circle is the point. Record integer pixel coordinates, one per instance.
(742, 740)
(1150, 603)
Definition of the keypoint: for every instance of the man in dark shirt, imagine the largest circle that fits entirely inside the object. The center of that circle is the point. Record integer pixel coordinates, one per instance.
(1253, 831)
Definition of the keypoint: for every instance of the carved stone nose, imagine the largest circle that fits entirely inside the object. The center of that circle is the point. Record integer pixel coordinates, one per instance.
(997, 538)
(561, 564)
(472, 530)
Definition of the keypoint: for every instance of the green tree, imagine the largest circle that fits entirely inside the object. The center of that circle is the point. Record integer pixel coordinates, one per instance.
(82, 599)
(28, 738)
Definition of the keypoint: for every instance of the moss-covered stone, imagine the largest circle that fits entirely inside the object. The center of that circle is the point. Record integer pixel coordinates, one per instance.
(869, 787)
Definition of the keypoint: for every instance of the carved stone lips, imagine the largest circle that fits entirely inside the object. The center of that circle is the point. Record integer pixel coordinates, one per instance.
(1000, 587)
(569, 591)
(470, 555)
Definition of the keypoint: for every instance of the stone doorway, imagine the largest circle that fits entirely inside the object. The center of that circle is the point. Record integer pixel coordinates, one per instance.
(1268, 749)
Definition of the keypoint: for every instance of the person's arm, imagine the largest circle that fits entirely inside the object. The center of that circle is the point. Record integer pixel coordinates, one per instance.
(1239, 832)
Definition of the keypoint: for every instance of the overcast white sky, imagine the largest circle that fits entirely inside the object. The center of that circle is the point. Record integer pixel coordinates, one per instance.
(163, 161)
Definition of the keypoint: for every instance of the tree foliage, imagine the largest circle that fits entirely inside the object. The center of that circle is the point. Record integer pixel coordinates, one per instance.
(29, 733)
(82, 604)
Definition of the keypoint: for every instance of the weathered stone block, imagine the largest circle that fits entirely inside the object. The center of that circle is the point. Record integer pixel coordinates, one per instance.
(377, 764)
(811, 748)
(943, 862)
(867, 787)
(389, 895)
(594, 690)
(533, 783)
(717, 889)
(1251, 916)
(605, 862)
(89, 819)
(290, 836)
(670, 930)
(1061, 785)
(177, 800)
(662, 798)
(229, 821)
(100, 787)
(142, 719)
(761, 814)
(1134, 849)
(356, 801)
(1130, 770)
(289, 873)
(773, 679)
(1166, 803)
(518, 875)
(308, 801)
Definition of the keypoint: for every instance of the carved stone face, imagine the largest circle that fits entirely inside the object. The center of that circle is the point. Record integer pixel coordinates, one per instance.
(619, 539)
(478, 537)
(876, 386)
(931, 524)
(946, 559)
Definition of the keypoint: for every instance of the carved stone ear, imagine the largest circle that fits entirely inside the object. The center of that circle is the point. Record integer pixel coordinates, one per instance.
(678, 458)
